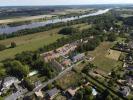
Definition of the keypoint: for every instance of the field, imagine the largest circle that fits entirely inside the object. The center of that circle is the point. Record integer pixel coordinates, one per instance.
(113, 54)
(47, 16)
(29, 43)
(33, 41)
(68, 80)
(73, 11)
(101, 61)
(127, 15)
(24, 19)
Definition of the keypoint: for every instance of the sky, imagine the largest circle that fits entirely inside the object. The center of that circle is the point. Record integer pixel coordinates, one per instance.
(60, 2)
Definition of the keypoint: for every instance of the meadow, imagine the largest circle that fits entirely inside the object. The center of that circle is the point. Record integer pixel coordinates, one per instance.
(34, 41)
(102, 61)
(30, 42)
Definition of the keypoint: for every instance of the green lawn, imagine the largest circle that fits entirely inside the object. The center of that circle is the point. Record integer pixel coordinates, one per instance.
(101, 61)
(29, 43)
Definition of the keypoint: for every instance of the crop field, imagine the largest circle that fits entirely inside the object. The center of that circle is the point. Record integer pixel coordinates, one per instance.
(101, 60)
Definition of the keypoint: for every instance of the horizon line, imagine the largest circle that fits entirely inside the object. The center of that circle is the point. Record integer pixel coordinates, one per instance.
(70, 4)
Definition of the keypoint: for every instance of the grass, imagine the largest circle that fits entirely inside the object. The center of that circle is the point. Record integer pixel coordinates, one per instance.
(130, 97)
(68, 80)
(60, 97)
(101, 61)
(37, 77)
(119, 23)
(79, 67)
(32, 42)
(113, 54)
(126, 15)
(21, 19)
(29, 43)
(119, 39)
(82, 26)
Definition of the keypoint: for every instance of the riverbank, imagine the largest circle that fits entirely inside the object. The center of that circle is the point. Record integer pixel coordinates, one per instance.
(21, 19)
(8, 30)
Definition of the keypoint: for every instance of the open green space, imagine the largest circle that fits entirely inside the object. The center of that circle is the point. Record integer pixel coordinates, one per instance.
(60, 97)
(36, 78)
(101, 60)
(32, 42)
(29, 43)
(68, 80)
(82, 26)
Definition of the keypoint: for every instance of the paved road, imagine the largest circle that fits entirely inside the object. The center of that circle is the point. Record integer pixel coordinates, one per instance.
(52, 80)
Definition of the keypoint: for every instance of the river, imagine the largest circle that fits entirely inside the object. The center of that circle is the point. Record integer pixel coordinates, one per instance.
(7, 29)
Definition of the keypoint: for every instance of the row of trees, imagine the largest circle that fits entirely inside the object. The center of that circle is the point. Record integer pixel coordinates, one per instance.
(26, 61)
(16, 68)
(84, 94)
(89, 46)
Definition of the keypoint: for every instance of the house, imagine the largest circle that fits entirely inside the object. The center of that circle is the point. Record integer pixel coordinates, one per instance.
(130, 82)
(78, 57)
(94, 92)
(7, 82)
(72, 91)
(17, 95)
(111, 28)
(62, 51)
(125, 91)
(66, 62)
(39, 94)
(124, 65)
(57, 65)
(130, 68)
(89, 58)
(130, 44)
(52, 93)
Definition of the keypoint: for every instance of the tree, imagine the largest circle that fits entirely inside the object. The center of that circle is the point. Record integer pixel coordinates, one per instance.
(113, 74)
(13, 45)
(109, 97)
(18, 70)
(88, 97)
(79, 96)
(2, 72)
(49, 86)
(112, 37)
(88, 90)
(68, 31)
(28, 84)
(88, 68)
